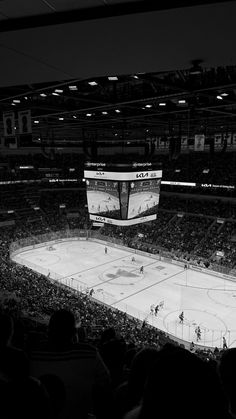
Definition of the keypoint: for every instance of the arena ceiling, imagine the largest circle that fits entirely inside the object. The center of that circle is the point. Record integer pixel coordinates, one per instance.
(175, 68)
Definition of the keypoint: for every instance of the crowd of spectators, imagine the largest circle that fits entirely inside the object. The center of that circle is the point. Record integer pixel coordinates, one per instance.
(131, 369)
(191, 167)
(60, 373)
(185, 225)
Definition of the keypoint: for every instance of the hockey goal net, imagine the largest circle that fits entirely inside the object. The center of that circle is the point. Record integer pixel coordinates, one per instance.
(50, 248)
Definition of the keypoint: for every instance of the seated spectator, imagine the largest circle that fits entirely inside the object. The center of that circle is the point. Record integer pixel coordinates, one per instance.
(129, 394)
(77, 365)
(181, 385)
(113, 354)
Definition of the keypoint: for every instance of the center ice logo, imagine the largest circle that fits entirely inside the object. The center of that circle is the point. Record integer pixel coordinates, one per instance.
(122, 272)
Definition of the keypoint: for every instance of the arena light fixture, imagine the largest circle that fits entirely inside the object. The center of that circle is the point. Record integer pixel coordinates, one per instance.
(25, 97)
(117, 110)
(55, 94)
(148, 106)
(58, 90)
(92, 83)
(181, 101)
(61, 118)
(112, 78)
(43, 94)
(73, 87)
(74, 116)
(162, 104)
(219, 97)
(88, 114)
(16, 100)
(135, 77)
(13, 104)
(104, 112)
(224, 94)
(36, 121)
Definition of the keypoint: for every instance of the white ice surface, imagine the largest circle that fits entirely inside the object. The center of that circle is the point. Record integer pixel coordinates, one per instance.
(140, 202)
(101, 201)
(207, 301)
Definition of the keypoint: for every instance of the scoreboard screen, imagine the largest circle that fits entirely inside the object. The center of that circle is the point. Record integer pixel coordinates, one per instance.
(122, 194)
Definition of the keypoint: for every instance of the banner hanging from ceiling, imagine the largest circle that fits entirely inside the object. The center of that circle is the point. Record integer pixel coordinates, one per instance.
(199, 142)
(9, 124)
(24, 122)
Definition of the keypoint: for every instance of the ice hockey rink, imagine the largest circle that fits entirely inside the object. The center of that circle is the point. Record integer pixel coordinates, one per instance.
(207, 301)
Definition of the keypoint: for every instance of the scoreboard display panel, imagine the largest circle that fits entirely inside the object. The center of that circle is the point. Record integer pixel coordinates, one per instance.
(122, 194)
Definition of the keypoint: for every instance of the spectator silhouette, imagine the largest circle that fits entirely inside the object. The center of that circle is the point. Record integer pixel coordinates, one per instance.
(113, 354)
(129, 394)
(77, 365)
(181, 385)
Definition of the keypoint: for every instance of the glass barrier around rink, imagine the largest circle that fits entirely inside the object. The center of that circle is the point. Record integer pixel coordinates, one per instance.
(46, 239)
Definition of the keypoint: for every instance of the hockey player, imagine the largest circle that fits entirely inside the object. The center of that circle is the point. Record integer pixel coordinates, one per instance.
(133, 259)
(152, 308)
(185, 266)
(141, 270)
(198, 333)
(105, 250)
(181, 317)
(156, 309)
(91, 292)
(224, 343)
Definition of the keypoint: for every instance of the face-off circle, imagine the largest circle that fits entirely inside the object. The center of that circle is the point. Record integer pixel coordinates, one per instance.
(224, 296)
(212, 327)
